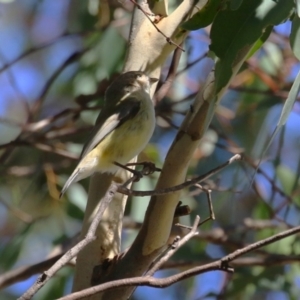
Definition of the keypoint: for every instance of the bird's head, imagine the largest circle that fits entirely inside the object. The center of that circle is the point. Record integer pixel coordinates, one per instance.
(130, 82)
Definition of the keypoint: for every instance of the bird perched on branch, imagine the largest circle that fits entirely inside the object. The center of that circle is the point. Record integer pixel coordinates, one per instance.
(123, 128)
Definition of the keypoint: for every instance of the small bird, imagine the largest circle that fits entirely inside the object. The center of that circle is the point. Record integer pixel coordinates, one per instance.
(123, 128)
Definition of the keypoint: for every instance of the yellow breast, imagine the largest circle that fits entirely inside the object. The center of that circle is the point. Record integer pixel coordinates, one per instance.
(127, 140)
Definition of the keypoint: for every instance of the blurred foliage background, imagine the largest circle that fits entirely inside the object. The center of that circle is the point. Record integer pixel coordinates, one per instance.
(56, 60)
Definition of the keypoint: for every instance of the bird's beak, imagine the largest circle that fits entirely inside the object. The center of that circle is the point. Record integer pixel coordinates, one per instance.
(153, 80)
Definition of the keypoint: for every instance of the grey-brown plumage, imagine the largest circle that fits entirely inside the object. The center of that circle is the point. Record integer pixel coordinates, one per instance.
(123, 128)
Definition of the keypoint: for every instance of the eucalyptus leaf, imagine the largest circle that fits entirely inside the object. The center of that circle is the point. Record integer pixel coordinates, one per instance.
(235, 4)
(235, 32)
(298, 7)
(295, 36)
(204, 17)
(287, 108)
(260, 41)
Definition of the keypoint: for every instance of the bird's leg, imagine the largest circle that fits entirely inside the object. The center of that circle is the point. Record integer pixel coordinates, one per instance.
(148, 167)
(137, 174)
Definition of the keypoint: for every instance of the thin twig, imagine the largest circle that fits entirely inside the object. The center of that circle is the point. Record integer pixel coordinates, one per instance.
(221, 264)
(17, 212)
(71, 59)
(209, 202)
(34, 49)
(260, 244)
(165, 87)
(90, 237)
(273, 184)
(189, 65)
(265, 261)
(173, 189)
(178, 242)
(71, 112)
(210, 207)
(168, 39)
(25, 272)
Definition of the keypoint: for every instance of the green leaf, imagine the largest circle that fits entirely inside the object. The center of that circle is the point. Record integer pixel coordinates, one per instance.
(287, 178)
(74, 211)
(110, 37)
(298, 7)
(204, 17)
(260, 41)
(261, 211)
(287, 108)
(234, 33)
(11, 251)
(295, 36)
(235, 4)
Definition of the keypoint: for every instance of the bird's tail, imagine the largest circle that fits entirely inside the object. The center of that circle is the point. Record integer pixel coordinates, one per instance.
(72, 178)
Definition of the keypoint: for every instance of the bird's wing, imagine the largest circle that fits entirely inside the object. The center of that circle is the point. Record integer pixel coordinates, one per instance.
(123, 111)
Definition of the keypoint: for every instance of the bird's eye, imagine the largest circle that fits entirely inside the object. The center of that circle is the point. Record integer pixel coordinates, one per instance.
(138, 76)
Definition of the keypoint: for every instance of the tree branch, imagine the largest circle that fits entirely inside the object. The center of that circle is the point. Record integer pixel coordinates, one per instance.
(90, 237)
(221, 264)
